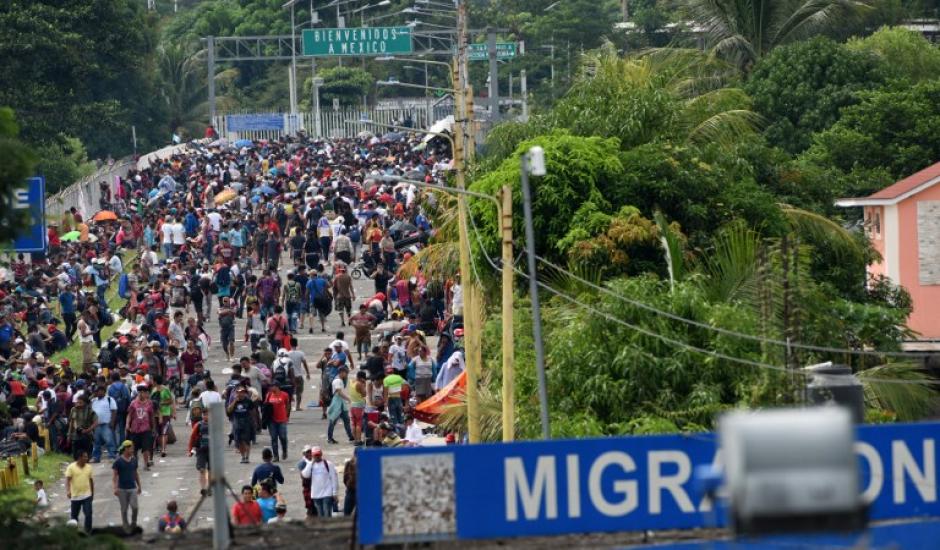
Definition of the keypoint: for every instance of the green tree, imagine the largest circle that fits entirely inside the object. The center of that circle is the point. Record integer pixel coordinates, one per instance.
(800, 88)
(890, 130)
(63, 161)
(348, 84)
(16, 164)
(82, 68)
(744, 31)
(905, 54)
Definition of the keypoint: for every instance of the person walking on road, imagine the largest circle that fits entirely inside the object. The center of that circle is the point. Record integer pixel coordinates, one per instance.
(122, 397)
(279, 403)
(244, 414)
(199, 446)
(324, 483)
(141, 423)
(339, 406)
(80, 488)
(166, 412)
(126, 483)
(227, 327)
(266, 471)
(105, 408)
(246, 512)
(82, 424)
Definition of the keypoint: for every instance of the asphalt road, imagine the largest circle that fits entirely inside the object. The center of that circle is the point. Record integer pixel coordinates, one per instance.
(175, 477)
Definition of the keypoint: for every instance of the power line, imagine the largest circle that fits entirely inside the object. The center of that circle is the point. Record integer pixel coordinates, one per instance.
(720, 330)
(706, 326)
(679, 343)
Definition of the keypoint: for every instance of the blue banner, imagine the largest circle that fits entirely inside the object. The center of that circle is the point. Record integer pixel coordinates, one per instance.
(247, 123)
(32, 197)
(598, 485)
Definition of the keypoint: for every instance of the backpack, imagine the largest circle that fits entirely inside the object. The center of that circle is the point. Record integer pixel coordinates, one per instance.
(354, 234)
(122, 398)
(280, 375)
(123, 286)
(203, 435)
(292, 292)
(224, 277)
(106, 318)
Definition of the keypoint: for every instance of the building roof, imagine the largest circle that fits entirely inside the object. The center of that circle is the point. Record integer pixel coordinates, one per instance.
(898, 191)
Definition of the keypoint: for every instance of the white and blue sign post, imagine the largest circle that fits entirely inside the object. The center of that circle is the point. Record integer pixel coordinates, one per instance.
(599, 485)
(32, 197)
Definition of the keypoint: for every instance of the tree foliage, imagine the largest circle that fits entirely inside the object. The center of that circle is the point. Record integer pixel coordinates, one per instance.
(17, 164)
(82, 68)
(904, 54)
(800, 88)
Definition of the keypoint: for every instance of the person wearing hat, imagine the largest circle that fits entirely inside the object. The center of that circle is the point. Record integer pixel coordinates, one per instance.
(199, 446)
(305, 459)
(142, 423)
(388, 436)
(126, 483)
(324, 483)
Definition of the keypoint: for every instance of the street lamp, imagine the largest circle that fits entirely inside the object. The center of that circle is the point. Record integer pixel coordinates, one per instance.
(362, 10)
(533, 163)
(395, 82)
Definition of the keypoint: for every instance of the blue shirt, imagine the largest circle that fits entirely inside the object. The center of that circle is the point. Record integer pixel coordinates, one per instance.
(235, 237)
(67, 301)
(191, 223)
(316, 287)
(267, 470)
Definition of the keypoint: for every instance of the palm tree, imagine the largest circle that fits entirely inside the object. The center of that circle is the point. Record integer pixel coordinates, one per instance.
(743, 31)
(183, 87)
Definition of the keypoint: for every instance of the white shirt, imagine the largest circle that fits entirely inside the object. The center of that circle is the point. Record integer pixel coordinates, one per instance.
(215, 219)
(324, 480)
(41, 499)
(115, 265)
(413, 434)
(167, 230)
(103, 407)
(210, 396)
(342, 343)
(179, 233)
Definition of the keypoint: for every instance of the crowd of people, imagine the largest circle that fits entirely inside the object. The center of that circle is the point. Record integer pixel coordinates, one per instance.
(270, 235)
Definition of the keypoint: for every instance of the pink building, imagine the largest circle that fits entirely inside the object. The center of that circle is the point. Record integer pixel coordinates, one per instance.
(903, 223)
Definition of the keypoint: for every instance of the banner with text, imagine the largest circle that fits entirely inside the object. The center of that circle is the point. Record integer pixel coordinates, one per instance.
(32, 197)
(598, 485)
(365, 41)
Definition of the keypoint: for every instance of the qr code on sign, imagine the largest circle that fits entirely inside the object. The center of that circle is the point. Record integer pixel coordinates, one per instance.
(418, 495)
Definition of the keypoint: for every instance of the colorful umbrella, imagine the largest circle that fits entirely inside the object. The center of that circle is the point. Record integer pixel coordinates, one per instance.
(71, 236)
(105, 216)
(225, 196)
(429, 409)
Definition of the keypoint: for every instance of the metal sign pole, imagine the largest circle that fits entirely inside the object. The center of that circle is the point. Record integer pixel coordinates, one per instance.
(494, 78)
(210, 61)
(220, 524)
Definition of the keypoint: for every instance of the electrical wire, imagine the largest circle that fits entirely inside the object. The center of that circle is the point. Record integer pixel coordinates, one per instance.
(678, 343)
(720, 330)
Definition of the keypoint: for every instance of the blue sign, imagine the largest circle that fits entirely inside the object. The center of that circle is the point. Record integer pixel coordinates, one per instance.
(32, 197)
(599, 485)
(248, 123)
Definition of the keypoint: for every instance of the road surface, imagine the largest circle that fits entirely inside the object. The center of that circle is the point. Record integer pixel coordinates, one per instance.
(175, 477)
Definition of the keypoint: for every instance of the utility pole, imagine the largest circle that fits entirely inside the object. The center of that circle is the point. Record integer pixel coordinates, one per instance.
(210, 61)
(524, 92)
(509, 412)
(494, 77)
(470, 291)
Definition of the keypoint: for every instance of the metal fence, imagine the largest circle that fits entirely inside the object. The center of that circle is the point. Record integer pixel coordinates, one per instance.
(333, 123)
(85, 193)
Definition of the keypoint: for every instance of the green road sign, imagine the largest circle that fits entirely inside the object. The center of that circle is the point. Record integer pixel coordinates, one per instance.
(504, 50)
(357, 41)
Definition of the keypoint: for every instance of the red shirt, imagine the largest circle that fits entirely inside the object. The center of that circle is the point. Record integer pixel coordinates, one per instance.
(279, 404)
(246, 513)
(17, 388)
(54, 237)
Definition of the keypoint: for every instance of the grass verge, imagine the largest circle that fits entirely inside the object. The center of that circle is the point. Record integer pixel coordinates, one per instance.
(74, 352)
(50, 470)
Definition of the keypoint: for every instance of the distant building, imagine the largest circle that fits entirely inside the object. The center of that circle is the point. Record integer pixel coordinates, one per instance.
(903, 224)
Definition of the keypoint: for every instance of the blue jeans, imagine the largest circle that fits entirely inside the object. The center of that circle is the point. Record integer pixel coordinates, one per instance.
(324, 506)
(168, 250)
(120, 429)
(278, 431)
(100, 291)
(344, 416)
(396, 410)
(104, 436)
(292, 311)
